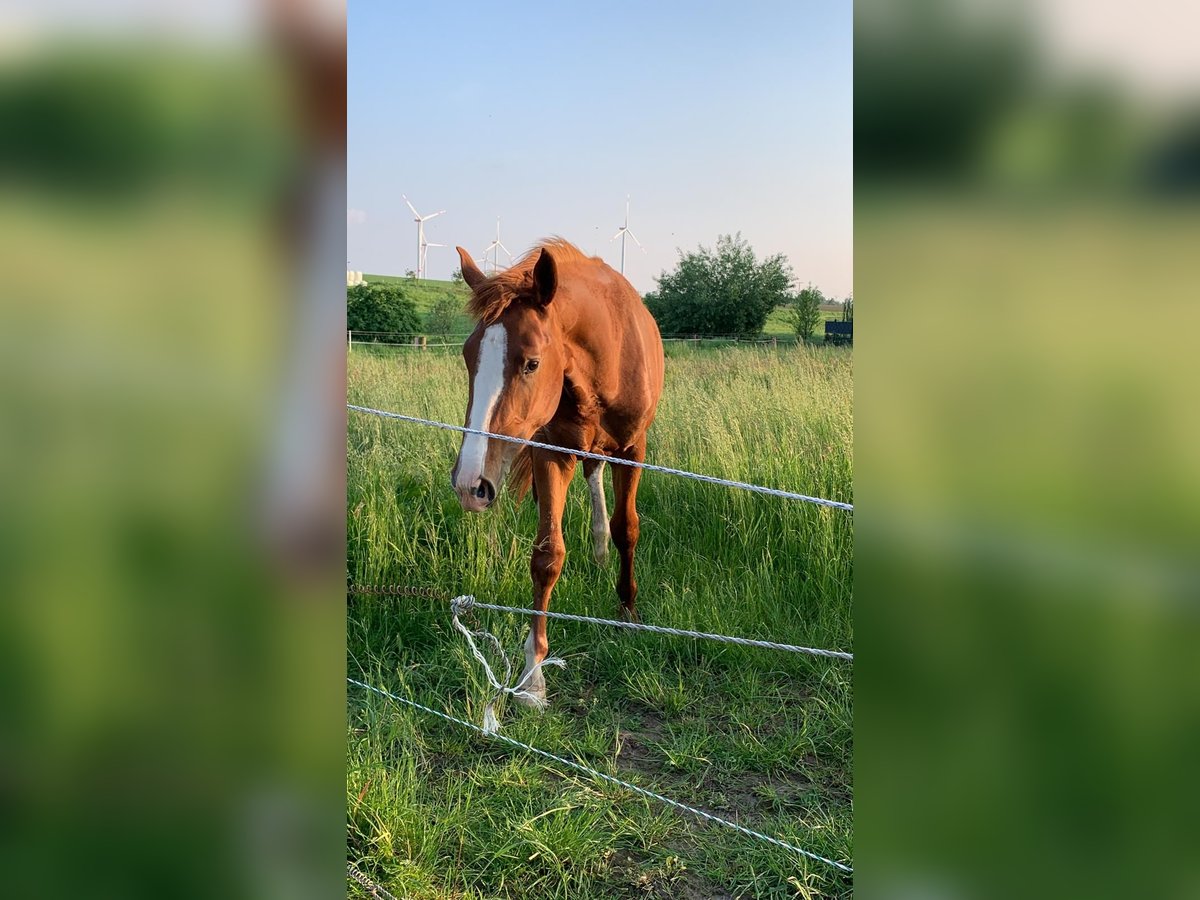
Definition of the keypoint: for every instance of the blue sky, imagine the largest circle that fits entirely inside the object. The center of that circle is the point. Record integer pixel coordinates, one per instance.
(714, 117)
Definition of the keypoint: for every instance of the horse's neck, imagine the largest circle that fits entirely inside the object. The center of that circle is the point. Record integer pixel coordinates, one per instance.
(592, 340)
(584, 328)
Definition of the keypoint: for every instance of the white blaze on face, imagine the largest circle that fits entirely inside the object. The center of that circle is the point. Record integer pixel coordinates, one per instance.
(489, 382)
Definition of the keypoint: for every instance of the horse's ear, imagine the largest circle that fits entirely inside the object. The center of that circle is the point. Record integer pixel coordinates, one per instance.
(470, 272)
(545, 277)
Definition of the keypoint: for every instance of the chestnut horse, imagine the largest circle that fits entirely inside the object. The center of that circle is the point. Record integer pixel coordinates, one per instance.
(564, 352)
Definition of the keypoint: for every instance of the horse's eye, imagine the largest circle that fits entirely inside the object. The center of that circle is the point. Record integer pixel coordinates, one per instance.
(531, 366)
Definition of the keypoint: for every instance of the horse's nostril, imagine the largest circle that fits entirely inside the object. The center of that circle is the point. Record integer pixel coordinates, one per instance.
(485, 491)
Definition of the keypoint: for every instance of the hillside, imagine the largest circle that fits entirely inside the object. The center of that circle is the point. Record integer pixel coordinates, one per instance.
(427, 292)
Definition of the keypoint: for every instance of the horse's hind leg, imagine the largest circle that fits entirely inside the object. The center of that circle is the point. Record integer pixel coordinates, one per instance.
(625, 528)
(594, 470)
(551, 475)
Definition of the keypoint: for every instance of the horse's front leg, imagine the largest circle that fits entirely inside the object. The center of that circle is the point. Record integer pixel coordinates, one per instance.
(551, 474)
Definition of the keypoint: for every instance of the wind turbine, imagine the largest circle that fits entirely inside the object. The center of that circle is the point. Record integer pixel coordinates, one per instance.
(622, 232)
(425, 253)
(497, 246)
(421, 220)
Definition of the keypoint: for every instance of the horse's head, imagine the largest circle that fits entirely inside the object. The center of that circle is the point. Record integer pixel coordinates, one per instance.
(515, 363)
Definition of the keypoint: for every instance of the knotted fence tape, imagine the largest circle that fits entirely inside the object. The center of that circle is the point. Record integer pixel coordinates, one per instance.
(491, 725)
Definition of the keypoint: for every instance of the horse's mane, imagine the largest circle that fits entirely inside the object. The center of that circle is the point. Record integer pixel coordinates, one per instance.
(497, 292)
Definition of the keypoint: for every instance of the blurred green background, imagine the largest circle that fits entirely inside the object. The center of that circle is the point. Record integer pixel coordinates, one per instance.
(171, 715)
(1027, 493)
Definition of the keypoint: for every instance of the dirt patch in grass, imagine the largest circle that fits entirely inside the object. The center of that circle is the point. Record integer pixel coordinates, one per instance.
(740, 792)
(668, 880)
(635, 754)
(750, 793)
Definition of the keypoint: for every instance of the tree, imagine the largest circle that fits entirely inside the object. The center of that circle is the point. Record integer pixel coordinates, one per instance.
(848, 309)
(379, 306)
(805, 311)
(443, 315)
(456, 276)
(722, 291)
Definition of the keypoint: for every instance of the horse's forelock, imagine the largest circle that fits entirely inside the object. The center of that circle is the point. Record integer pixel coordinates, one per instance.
(498, 292)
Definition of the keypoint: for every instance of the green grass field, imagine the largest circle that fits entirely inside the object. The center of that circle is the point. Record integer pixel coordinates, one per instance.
(779, 324)
(758, 736)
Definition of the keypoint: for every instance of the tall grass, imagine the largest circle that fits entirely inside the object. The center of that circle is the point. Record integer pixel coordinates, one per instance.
(760, 736)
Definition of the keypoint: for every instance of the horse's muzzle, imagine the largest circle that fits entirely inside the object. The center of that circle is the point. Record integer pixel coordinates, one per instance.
(477, 498)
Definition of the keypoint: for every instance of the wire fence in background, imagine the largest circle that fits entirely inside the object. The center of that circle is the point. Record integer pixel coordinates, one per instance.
(425, 340)
(425, 345)
(677, 336)
(380, 345)
(583, 454)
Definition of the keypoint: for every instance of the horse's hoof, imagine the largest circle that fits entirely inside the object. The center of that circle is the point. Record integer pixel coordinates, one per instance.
(629, 615)
(532, 700)
(533, 692)
(600, 547)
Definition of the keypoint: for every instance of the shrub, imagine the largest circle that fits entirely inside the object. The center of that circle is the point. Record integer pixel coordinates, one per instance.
(380, 307)
(805, 311)
(725, 291)
(442, 317)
